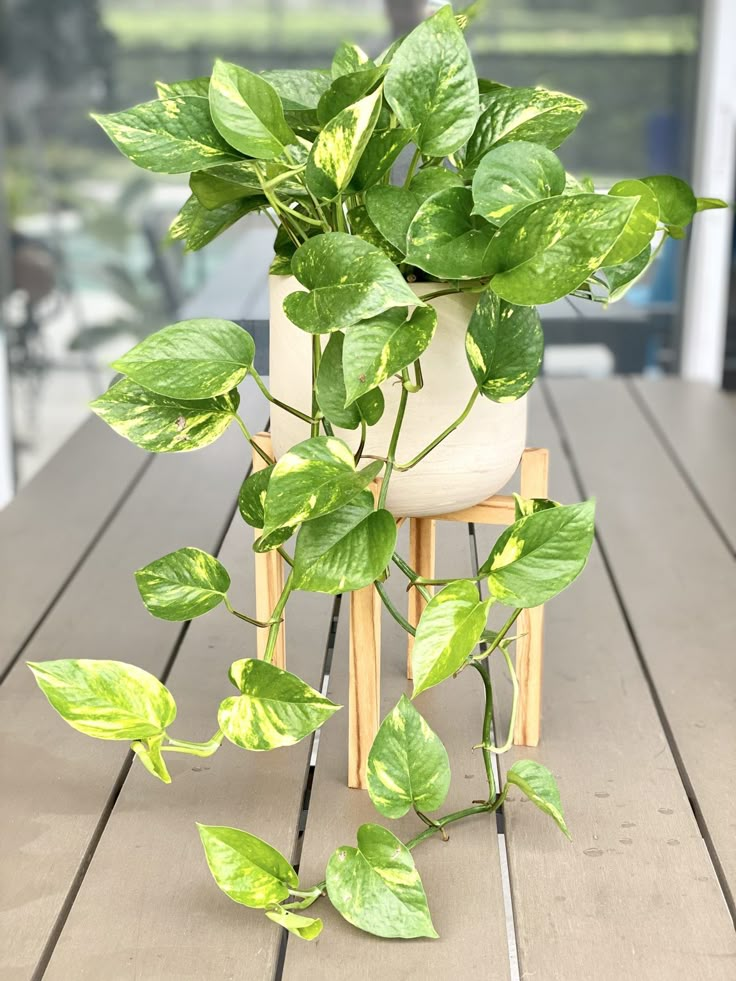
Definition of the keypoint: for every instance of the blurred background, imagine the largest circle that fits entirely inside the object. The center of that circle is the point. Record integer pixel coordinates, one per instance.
(84, 274)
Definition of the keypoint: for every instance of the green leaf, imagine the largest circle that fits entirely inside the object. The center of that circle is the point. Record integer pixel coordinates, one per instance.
(336, 151)
(362, 226)
(677, 203)
(246, 868)
(163, 425)
(504, 346)
(300, 91)
(621, 278)
(450, 627)
(538, 784)
(349, 58)
(346, 90)
(314, 478)
(304, 927)
(247, 112)
(222, 185)
(641, 224)
(431, 85)
(407, 766)
(447, 240)
(534, 115)
(330, 390)
(429, 180)
(197, 226)
(381, 150)
(194, 359)
(540, 555)
(346, 549)
(192, 86)
(708, 204)
(377, 888)
(168, 136)
(524, 506)
(392, 210)
(511, 176)
(183, 584)
(150, 755)
(348, 280)
(106, 699)
(252, 496)
(548, 249)
(275, 708)
(377, 348)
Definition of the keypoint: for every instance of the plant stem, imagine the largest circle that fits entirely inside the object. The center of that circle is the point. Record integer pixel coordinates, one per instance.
(246, 432)
(361, 444)
(412, 166)
(274, 401)
(514, 707)
(391, 456)
(485, 674)
(194, 749)
(421, 581)
(388, 603)
(243, 616)
(316, 360)
(411, 575)
(499, 636)
(443, 435)
(285, 555)
(273, 630)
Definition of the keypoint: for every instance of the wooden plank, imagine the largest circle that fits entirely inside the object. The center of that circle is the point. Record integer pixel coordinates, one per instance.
(699, 424)
(364, 684)
(60, 782)
(461, 878)
(422, 535)
(635, 894)
(50, 525)
(677, 582)
(164, 917)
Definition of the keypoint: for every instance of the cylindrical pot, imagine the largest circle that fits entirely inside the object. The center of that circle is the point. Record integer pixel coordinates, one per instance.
(473, 463)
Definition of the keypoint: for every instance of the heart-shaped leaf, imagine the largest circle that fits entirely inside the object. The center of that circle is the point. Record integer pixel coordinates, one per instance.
(348, 280)
(429, 180)
(252, 496)
(377, 888)
(345, 91)
(346, 549)
(432, 87)
(304, 927)
(247, 112)
(349, 58)
(377, 348)
(362, 225)
(246, 868)
(677, 203)
(183, 584)
(447, 240)
(540, 555)
(513, 175)
(330, 388)
(194, 359)
(221, 185)
(168, 136)
(275, 708)
(337, 150)
(538, 784)
(106, 699)
(392, 210)
(315, 477)
(162, 425)
(407, 766)
(641, 224)
(450, 627)
(621, 278)
(300, 91)
(533, 115)
(504, 345)
(197, 226)
(379, 155)
(549, 248)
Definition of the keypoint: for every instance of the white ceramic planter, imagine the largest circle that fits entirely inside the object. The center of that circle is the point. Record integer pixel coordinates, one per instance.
(471, 464)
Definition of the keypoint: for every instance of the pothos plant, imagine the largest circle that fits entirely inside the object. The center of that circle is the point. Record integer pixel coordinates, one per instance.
(487, 208)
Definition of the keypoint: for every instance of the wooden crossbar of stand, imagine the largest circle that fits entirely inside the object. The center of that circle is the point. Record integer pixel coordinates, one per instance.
(365, 617)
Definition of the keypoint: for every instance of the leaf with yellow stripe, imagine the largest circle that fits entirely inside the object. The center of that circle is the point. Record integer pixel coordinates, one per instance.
(246, 868)
(183, 584)
(338, 148)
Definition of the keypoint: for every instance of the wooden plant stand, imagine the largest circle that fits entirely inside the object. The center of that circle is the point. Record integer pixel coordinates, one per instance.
(364, 701)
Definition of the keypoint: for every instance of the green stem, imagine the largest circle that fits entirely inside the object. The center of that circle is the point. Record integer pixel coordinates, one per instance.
(316, 361)
(412, 166)
(443, 435)
(444, 292)
(285, 555)
(194, 749)
(391, 456)
(411, 575)
(248, 435)
(388, 603)
(274, 401)
(514, 706)
(340, 216)
(361, 444)
(485, 674)
(499, 636)
(273, 630)
(421, 581)
(243, 616)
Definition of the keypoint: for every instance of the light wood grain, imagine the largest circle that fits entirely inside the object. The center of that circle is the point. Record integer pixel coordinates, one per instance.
(634, 895)
(422, 560)
(497, 510)
(364, 697)
(269, 583)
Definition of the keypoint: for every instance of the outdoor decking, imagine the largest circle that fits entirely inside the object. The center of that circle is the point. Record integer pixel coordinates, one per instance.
(102, 873)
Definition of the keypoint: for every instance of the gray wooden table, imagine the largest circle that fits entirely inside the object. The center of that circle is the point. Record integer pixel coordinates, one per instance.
(101, 872)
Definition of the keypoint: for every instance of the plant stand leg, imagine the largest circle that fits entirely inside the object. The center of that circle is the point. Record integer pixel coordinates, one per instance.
(269, 577)
(364, 682)
(529, 648)
(421, 559)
